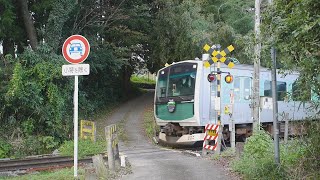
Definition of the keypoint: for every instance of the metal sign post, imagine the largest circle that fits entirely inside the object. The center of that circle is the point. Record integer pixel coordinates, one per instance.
(75, 50)
(75, 121)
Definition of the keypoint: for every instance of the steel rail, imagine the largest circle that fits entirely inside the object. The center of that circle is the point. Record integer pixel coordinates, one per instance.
(43, 162)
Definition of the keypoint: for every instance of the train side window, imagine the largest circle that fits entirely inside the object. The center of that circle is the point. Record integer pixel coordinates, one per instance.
(300, 93)
(246, 88)
(281, 90)
(236, 89)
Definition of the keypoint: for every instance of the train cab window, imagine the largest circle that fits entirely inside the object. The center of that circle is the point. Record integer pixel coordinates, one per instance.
(162, 83)
(281, 90)
(182, 80)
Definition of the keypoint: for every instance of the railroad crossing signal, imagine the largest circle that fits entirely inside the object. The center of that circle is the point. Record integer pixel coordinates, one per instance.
(218, 56)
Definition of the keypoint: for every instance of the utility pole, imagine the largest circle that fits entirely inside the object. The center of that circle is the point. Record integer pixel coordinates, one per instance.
(275, 107)
(275, 103)
(256, 74)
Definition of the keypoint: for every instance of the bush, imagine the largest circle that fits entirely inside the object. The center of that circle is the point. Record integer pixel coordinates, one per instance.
(257, 161)
(5, 149)
(142, 82)
(85, 148)
(299, 158)
(33, 145)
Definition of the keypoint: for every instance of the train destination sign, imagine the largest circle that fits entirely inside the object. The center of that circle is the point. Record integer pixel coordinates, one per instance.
(75, 49)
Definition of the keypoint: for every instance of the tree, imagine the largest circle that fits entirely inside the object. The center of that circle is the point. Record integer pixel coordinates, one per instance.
(295, 26)
(28, 23)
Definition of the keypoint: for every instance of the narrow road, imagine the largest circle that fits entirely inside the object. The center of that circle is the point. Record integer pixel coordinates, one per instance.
(152, 162)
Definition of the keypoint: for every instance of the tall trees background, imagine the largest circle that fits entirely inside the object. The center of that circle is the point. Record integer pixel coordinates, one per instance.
(36, 101)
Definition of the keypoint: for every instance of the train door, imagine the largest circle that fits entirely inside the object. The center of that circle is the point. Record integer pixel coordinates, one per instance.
(242, 88)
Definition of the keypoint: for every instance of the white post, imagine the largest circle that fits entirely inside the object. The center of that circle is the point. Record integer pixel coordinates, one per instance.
(233, 135)
(75, 121)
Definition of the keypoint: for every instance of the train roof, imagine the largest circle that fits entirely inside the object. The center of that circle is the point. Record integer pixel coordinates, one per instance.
(237, 66)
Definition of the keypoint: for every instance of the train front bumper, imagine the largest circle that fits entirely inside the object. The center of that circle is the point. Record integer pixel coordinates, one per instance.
(184, 140)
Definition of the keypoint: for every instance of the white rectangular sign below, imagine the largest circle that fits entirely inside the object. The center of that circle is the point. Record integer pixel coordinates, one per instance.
(217, 104)
(75, 69)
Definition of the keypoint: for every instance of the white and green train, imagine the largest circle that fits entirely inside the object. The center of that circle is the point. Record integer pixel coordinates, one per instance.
(184, 101)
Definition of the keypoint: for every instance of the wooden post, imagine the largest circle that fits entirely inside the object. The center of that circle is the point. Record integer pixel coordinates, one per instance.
(286, 127)
(108, 134)
(98, 164)
(116, 152)
(256, 65)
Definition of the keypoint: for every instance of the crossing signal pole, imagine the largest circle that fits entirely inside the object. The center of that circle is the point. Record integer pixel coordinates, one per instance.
(217, 57)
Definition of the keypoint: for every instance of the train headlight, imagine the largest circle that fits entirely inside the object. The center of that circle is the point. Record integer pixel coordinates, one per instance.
(228, 78)
(211, 77)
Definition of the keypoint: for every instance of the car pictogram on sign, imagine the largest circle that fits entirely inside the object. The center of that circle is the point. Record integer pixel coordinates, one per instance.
(76, 48)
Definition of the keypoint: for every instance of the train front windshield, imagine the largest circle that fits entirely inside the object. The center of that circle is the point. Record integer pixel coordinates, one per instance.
(177, 82)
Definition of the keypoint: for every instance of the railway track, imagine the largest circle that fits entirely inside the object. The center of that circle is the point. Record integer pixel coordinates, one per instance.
(39, 163)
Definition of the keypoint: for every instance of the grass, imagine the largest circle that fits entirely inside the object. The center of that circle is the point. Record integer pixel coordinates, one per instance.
(142, 79)
(149, 123)
(63, 174)
(85, 148)
(123, 136)
(142, 82)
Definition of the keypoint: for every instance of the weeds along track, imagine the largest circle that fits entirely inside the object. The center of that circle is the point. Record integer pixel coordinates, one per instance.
(40, 163)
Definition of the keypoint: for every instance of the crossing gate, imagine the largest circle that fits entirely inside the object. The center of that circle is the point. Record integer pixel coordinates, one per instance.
(211, 133)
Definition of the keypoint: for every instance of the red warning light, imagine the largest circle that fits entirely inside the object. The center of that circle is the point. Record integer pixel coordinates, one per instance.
(211, 77)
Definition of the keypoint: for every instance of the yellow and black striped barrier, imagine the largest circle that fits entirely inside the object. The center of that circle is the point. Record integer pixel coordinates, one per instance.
(88, 130)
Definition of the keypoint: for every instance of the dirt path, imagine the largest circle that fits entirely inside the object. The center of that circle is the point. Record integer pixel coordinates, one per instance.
(152, 162)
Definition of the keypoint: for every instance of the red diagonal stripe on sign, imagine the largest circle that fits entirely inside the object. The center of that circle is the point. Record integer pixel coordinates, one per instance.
(215, 128)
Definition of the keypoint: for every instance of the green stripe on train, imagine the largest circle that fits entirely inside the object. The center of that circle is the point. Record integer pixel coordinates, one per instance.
(182, 112)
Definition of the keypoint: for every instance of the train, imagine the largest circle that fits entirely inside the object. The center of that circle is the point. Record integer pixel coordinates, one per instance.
(185, 101)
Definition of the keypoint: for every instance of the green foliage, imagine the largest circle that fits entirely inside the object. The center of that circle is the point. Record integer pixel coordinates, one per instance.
(295, 26)
(85, 148)
(257, 161)
(299, 158)
(182, 35)
(32, 145)
(191, 24)
(37, 95)
(142, 82)
(58, 16)
(310, 161)
(142, 79)
(5, 149)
